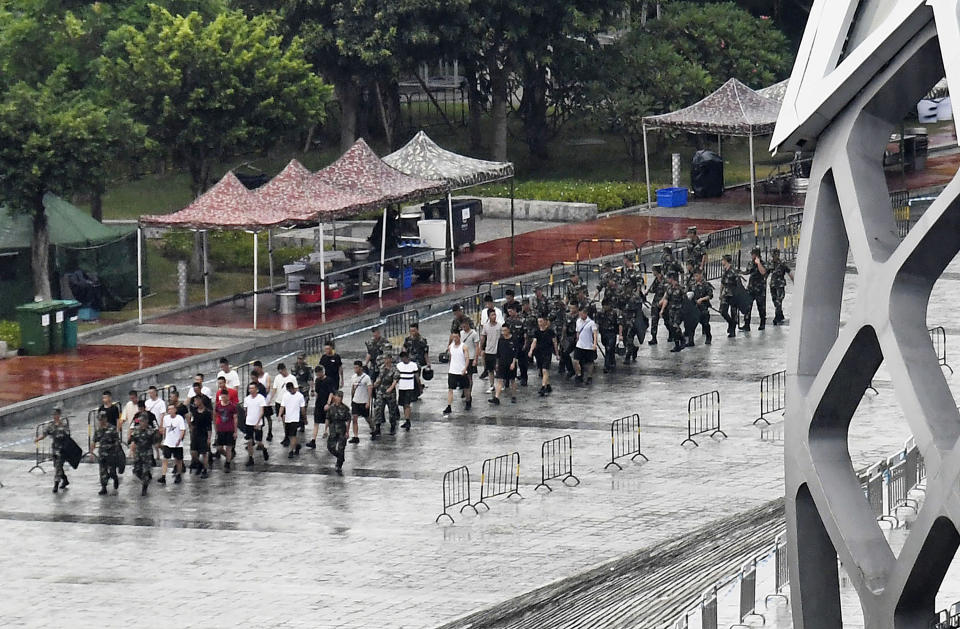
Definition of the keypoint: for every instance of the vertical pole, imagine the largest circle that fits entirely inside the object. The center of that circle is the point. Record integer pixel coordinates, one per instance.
(719, 144)
(139, 274)
(753, 204)
(256, 244)
(383, 255)
(323, 275)
(646, 166)
(334, 227)
(453, 242)
(206, 269)
(270, 253)
(513, 253)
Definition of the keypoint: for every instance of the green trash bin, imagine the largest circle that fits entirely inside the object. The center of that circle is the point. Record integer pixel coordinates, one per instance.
(71, 310)
(57, 317)
(34, 320)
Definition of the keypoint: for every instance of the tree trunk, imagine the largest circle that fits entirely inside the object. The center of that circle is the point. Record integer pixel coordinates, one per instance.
(475, 105)
(199, 180)
(498, 85)
(40, 251)
(309, 140)
(534, 110)
(96, 203)
(349, 96)
(384, 118)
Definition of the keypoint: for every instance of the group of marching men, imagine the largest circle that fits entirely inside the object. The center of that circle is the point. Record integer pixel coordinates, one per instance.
(508, 339)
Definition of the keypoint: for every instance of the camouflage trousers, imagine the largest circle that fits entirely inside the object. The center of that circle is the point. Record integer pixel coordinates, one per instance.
(142, 465)
(108, 468)
(381, 402)
(58, 474)
(777, 293)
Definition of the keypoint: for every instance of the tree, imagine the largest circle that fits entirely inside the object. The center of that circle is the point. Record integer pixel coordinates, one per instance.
(208, 90)
(55, 139)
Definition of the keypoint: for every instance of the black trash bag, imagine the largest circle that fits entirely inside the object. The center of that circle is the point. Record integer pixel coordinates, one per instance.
(86, 288)
(706, 174)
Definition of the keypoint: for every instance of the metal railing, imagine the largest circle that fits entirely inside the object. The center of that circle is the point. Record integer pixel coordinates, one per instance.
(44, 453)
(456, 491)
(772, 396)
(500, 476)
(938, 336)
(703, 416)
(397, 325)
(556, 462)
(625, 440)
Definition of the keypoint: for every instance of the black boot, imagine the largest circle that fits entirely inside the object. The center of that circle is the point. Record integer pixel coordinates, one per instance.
(708, 340)
(677, 347)
(103, 489)
(56, 486)
(653, 339)
(763, 324)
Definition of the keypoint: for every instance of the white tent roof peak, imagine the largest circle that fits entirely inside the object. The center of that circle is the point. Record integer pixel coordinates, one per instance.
(424, 158)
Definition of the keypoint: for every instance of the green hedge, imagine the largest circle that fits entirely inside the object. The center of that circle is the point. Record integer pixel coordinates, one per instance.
(10, 332)
(229, 250)
(607, 195)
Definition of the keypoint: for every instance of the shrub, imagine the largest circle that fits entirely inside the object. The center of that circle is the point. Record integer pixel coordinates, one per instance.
(229, 250)
(10, 332)
(607, 195)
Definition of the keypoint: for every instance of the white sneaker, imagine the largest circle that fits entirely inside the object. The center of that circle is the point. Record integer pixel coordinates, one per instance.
(490, 390)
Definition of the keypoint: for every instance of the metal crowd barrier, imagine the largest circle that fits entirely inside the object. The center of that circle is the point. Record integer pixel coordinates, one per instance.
(723, 242)
(163, 392)
(939, 338)
(897, 489)
(748, 595)
(397, 326)
(900, 202)
(500, 476)
(617, 246)
(456, 491)
(703, 416)
(556, 462)
(313, 346)
(947, 618)
(772, 396)
(708, 609)
(44, 453)
(625, 440)
(871, 483)
(91, 421)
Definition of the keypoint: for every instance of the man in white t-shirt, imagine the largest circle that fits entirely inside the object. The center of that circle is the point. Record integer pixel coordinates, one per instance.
(228, 374)
(173, 428)
(361, 392)
(278, 389)
(130, 410)
(408, 386)
(253, 406)
(585, 354)
(457, 377)
(263, 377)
(470, 340)
(156, 405)
(489, 340)
(292, 405)
(485, 311)
(204, 389)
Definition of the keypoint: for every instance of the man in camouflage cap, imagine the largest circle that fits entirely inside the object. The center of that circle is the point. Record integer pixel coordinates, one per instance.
(58, 429)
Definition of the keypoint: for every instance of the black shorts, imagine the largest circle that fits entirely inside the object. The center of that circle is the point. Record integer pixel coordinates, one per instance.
(360, 410)
(586, 356)
(543, 360)
(290, 428)
(457, 381)
(200, 442)
(252, 433)
(489, 362)
(319, 415)
(471, 369)
(407, 397)
(226, 439)
(267, 411)
(506, 374)
(176, 453)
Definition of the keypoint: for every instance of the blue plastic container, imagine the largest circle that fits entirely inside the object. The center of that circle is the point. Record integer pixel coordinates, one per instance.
(672, 197)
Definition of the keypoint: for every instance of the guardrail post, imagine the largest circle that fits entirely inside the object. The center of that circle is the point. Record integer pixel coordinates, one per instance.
(456, 491)
(625, 440)
(556, 462)
(781, 574)
(772, 396)
(703, 416)
(500, 476)
(91, 418)
(41, 446)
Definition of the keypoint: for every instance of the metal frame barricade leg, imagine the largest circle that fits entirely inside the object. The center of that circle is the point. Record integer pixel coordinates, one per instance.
(748, 596)
(772, 396)
(781, 574)
(500, 476)
(938, 336)
(456, 491)
(556, 462)
(625, 440)
(703, 416)
(43, 455)
(91, 418)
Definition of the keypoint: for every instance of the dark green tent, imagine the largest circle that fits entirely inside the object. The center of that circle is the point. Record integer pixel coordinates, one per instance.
(77, 241)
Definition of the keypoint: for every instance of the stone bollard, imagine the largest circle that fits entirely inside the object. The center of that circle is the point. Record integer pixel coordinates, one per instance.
(182, 282)
(676, 170)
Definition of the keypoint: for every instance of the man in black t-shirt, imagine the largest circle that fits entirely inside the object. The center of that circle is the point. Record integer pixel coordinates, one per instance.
(332, 365)
(201, 423)
(324, 388)
(506, 370)
(543, 348)
(111, 409)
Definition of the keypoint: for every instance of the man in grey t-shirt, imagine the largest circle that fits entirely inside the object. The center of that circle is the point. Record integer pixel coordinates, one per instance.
(489, 339)
(471, 348)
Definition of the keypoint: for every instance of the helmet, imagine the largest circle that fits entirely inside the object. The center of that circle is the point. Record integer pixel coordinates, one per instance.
(427, 373)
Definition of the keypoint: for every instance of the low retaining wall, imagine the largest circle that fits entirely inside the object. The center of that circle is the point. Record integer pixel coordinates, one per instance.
(527, 210)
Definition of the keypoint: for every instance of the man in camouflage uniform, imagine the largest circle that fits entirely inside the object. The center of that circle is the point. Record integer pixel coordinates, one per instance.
(385, 396)
(58, 429)
(688, 277)
(109, 439)
(778, 272)
(574, 286)
(658, 288)
(568, 340)
(629, 315)
(695, 251)
(530, 327)
(631, 279)
(417, 347)
(757, 287)
(539, 303)
(335, 428)
(458, 317)
(702, 294)
(518, 336)
(142, 436)
(729, 282)
(668, 263)
(672, 305)
(377, 348)
(608, 325)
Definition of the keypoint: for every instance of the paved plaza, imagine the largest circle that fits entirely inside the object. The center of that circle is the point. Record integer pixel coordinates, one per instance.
(292, 544)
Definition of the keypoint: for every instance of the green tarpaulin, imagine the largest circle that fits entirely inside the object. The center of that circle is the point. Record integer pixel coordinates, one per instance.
(77, 241)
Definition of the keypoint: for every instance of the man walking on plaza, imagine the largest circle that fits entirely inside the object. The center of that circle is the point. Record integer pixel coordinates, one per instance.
(457, 377)
(756, 273)
(109, 454)
(408, 386)
(361, 392)
(59, 431)
(278, 390)
(141, 439)
(471, 347)
(335, 429)
(253, 407)
(173, 429)
(226, 426)
(385, 397)
(323, 388)
(158, 407)
(231, 377)
(506, 367)
(490, 341)
(585, 354)
(542, 349)
(111, 408)
(130, 410)
(201, 423)
(778, 273)
(292, 406)
(332, 364)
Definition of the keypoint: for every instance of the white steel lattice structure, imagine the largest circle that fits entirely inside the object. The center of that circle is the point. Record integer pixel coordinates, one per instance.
(862, 66)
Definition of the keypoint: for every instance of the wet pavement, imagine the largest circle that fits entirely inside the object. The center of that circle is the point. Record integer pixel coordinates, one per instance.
(292, 544)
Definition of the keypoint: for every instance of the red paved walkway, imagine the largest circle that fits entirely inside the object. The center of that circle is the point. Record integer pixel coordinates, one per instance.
(27, 377)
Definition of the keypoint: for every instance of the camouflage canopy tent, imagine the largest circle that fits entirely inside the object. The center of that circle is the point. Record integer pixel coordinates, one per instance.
(77, 242)
(734, 110)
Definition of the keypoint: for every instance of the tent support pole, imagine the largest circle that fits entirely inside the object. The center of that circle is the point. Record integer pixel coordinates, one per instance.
(323, 276)
(383, 255)
(256, 244)
(513, 249)
(753, 205)
(646, 166)
(206, 269)
(453, 243)
(270, 254)
(139, 274)
(719, 144)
